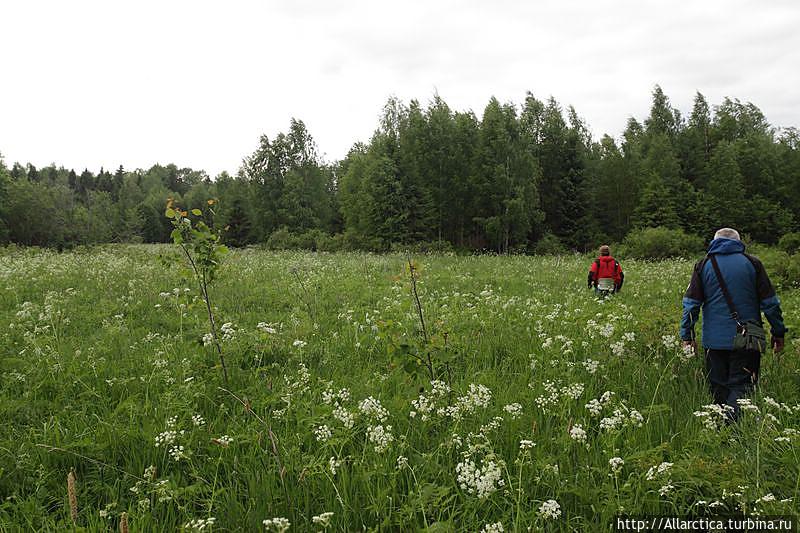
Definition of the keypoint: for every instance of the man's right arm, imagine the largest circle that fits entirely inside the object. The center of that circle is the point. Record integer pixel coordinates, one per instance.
(692, 302)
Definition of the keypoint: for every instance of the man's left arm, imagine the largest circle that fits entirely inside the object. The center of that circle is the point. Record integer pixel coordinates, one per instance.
(769, 302)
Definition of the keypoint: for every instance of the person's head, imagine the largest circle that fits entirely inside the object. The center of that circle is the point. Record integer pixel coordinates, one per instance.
(605, 250)
(727, 233)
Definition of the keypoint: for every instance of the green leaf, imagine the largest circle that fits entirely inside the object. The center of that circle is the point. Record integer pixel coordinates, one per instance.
(169, 213)
(197, 212)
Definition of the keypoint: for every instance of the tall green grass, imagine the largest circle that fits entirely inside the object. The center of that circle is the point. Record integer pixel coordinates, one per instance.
(101, 356)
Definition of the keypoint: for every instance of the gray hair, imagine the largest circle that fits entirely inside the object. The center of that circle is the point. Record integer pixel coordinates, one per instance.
(727, 233)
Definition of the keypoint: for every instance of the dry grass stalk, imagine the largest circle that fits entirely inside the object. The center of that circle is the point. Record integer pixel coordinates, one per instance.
(123, 523)
(71, 494)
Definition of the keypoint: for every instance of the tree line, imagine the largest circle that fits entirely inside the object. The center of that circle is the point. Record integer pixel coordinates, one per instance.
(519, 178)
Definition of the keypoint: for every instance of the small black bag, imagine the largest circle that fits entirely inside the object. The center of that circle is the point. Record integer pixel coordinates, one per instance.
(750, 334)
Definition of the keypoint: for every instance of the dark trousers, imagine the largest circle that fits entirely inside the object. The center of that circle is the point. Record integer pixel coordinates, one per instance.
(732, 374)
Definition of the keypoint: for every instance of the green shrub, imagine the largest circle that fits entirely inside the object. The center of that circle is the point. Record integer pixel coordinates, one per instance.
(549, 244)
(661, 243)
(783, 269)
(790, 243)
(425, 247)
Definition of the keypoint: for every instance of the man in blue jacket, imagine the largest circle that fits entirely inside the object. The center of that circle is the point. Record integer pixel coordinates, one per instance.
(732, 374)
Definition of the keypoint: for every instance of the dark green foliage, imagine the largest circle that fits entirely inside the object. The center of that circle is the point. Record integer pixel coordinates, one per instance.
(660, 243)
(519, 178)
(790, 243)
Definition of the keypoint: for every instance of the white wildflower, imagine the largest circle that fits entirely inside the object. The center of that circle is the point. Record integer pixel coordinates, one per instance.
(380, 436)
(482, 480)
(616, 464)
(577, 433)
(277, 525)
(373, 409)
(323, 433)
(199, 524)
(514, 409)
(550, 510)
(323, 519)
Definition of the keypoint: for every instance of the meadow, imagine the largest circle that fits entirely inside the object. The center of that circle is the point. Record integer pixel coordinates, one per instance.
(549, 409)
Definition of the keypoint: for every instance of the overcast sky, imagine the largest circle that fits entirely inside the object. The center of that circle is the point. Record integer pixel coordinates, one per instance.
(90, 84)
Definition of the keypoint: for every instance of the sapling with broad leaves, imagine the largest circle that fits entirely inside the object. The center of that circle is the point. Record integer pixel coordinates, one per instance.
(201, 246)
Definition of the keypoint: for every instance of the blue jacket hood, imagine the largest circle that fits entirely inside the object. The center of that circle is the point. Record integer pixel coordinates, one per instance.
(725, 246)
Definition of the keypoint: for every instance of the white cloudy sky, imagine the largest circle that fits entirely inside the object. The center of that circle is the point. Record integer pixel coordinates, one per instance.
(91, 83)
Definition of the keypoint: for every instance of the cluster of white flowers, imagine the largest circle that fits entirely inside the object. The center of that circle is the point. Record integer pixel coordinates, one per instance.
(659, 470)
(513, 409)
(177, 452)
(492, 425)
(769, 497)
(591, 365)
(713, 416)
(323, 433)
(550, 509)
(426, 404)
(607, 330)
(208, 338)
(372, 408)
(344, 416)
(299, 344)
(323, 520)
(479, 480)
(380, 436)
(477, 396)
(666, 489)
(333, 465)
(228, 331)
(618, 348)
(402, 462)
(616, 464)
(594, 407)
(277, 525)
(746, 404)
(267, 328)
(166, 438)
(199, 524)
(198, 420)
(332, 397)
(572, 391)
(780, 406)
(577, 433)
(224, 440)
(526, 444)
(549, 399)
(670, 342)
(497, 527)
(622, 417)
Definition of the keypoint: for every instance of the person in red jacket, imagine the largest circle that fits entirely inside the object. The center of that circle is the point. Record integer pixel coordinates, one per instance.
(605, 274)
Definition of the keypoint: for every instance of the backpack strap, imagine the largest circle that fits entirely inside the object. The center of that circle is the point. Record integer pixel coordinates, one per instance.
(724, 287)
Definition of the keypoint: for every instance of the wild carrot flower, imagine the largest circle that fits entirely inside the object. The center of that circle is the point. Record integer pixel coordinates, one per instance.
(323, 520)
(479, 480)
(550, 509)
(277, 525)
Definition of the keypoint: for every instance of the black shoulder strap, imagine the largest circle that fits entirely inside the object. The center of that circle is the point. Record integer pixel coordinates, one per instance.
(724, 287)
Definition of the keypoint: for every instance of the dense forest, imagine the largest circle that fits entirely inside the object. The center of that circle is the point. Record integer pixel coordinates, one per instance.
(519, 178)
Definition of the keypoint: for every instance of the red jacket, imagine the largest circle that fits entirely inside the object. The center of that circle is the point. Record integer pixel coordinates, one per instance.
(606, 266)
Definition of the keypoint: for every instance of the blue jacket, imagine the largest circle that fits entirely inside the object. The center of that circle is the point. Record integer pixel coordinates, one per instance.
(750, 289)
